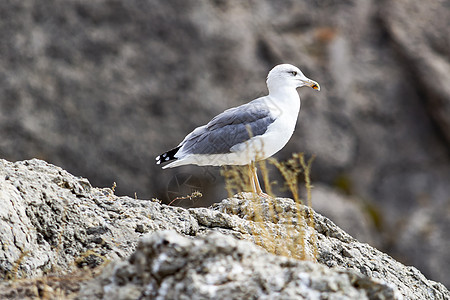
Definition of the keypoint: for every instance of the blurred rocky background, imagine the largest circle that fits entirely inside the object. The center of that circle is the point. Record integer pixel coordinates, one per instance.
(102, 87)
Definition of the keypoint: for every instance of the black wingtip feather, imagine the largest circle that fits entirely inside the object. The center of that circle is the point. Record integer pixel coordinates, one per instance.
(167, 156)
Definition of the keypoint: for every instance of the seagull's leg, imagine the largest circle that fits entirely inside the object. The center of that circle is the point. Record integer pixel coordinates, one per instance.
(257, 187)
(255, 179)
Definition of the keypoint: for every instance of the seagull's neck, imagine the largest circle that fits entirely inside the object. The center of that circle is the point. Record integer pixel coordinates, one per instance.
(284, 102)
(286, 97)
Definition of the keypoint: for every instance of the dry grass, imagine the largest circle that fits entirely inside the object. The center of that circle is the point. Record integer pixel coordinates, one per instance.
(279, 229)
(49, 286)
(191, 197)
(13, 275)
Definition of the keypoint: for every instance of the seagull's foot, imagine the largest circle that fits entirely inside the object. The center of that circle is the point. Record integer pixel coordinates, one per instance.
(264, 195)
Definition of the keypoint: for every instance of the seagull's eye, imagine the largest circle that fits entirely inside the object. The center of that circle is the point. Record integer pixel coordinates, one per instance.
(294, 73)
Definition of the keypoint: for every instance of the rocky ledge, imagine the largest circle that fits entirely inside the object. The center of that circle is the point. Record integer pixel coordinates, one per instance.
(63, 238)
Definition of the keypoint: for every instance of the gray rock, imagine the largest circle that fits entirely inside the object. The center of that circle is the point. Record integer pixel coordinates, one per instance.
(415, 29)
(167, 265)
(338, 249)
(53, 223)
(52, 220)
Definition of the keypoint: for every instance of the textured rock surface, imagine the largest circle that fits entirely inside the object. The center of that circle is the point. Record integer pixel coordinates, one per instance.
(51, 220)
(54, 222)
(102, 87)
(169, 266)
(415, 29)
(338, 249)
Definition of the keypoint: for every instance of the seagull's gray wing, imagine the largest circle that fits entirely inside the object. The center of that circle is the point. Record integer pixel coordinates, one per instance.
(232, 127)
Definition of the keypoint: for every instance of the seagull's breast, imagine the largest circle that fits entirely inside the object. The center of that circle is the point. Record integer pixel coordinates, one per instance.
(279, 132)
(284, 112)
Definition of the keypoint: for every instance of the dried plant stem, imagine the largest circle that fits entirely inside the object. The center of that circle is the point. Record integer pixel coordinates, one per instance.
(309, 186)
(195, 194)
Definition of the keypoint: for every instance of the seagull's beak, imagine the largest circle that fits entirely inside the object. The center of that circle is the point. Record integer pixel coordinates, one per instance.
(311, 83)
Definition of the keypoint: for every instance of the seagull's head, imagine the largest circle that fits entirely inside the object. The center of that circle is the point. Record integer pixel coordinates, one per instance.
(287, 75)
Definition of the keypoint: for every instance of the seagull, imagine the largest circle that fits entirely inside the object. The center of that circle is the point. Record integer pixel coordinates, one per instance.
(247, 133)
